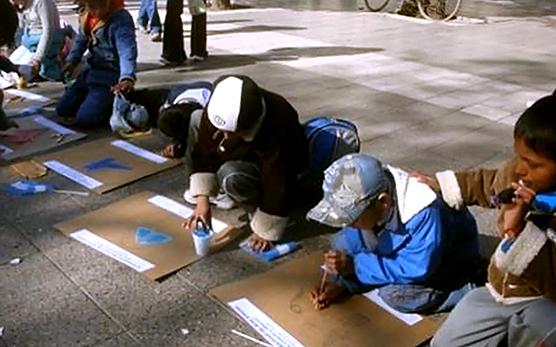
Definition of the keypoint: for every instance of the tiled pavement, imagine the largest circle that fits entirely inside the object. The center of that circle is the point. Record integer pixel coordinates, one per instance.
(425, 96)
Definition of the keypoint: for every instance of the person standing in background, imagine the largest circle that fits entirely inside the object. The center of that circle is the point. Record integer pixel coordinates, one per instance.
(198, 37)
(148, 20)
(173, 51)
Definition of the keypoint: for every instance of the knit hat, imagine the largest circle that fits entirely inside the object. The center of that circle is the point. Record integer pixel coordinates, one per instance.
(236, 104)
(350, 184)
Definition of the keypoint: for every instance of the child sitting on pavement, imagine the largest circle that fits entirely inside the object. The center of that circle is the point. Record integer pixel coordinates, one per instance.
(172, 109)
(42, 35)
(518, 305)
(397, 236)
(107, 32)
(250, 146)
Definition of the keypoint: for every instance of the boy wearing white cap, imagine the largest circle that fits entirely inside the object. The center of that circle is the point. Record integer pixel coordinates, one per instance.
(250, 147)
(396, 235)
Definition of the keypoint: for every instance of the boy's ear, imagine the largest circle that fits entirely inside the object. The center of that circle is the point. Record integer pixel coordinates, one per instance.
(384, 199)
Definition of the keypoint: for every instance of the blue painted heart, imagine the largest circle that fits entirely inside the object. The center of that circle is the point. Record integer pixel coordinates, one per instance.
(149, 237)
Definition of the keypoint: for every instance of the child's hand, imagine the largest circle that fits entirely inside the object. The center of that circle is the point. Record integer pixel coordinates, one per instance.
(202, 212)
(339, 262)
(124, 86)
(35, 67)
(258, 244)
(323, 299)
(514, 213)
(173, 151)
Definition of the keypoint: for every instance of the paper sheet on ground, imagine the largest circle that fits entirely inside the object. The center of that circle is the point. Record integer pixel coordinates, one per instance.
(75, 164)
(283, 295)
(34, 135)
(111, 230)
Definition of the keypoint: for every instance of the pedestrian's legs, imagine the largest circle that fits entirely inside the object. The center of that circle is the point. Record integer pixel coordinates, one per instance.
(535, 324)
(142, 16)
(477, 320)
(241, 181)
(73, 97)
(199, 35)
(96, 108)
(172, 41)
(154, 18)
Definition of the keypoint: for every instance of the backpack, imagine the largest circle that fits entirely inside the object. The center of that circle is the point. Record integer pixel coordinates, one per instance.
(329, 139)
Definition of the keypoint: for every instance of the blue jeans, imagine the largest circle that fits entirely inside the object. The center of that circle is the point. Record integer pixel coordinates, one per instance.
(148, 15)
(89, 103)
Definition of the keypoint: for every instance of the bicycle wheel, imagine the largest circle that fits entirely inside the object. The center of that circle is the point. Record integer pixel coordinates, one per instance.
(439, 10)
(376, 5)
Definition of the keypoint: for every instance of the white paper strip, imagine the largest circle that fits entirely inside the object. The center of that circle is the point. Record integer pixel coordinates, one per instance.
(5, 150)
(407, 318)
(113, 251)
(53, 125)
(143, 153)
(27, 95)
(263, 324)
(74, 175)
(182, 211)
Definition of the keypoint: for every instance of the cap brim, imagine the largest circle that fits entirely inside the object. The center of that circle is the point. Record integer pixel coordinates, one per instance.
(326, 214)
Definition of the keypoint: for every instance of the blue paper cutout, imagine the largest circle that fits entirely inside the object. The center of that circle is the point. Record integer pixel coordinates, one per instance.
(27, 187)
(106, 163)
(149, 237)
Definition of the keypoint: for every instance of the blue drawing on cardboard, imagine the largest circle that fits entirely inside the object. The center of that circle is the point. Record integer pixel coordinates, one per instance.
(27, 187)
(149, 237)
(108, 163)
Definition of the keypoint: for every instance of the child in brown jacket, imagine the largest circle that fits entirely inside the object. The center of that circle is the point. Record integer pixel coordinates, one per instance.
(518, 304)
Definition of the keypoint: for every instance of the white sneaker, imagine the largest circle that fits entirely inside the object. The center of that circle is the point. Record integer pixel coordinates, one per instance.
(221, 201)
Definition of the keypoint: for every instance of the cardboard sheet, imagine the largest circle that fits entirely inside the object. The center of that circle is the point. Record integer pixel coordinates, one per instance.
(105, 164)
(283, 295)
(35, 134)
(117, 230)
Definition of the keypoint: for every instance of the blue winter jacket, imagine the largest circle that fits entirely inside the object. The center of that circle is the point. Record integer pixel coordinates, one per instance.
(432, 245)
(435, 247)
(112, 49)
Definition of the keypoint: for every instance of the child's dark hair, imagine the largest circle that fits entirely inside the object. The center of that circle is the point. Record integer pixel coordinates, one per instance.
(173, 121)
(537, 127)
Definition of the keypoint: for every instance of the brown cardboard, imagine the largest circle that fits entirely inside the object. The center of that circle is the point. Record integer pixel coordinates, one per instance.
(29, 169)
(283, 294)
(79, 156)
(118, 222)
(43, 141)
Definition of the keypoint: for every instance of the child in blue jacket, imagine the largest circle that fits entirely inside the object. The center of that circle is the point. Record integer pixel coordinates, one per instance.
(397, 236)
(107, 31)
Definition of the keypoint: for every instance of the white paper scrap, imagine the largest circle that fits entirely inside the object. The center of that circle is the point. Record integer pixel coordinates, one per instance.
(263, 324)
(15, 261)
(143, 153)
(407, 318)
(184, 332)
(1, 331)
(182, 211)
(74, 175)
(5, 150)
(53, 125)
(27, 95)
(113, 251)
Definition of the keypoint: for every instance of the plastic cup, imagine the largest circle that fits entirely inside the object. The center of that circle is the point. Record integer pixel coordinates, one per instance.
(202, 239)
